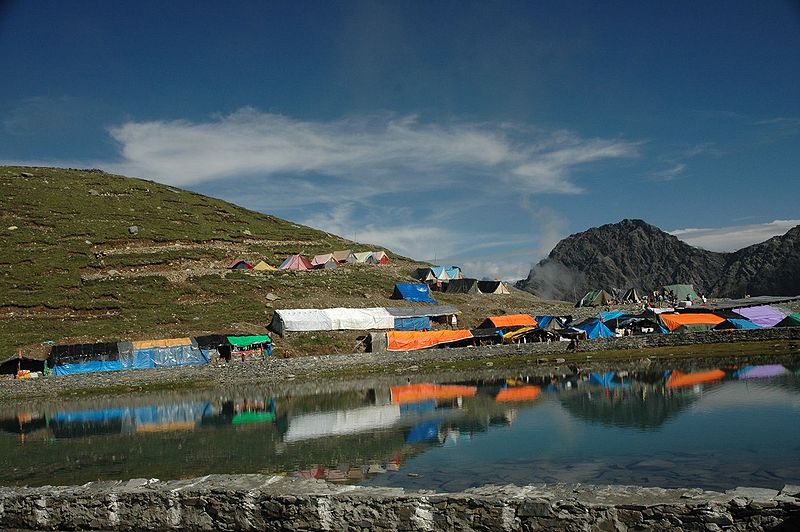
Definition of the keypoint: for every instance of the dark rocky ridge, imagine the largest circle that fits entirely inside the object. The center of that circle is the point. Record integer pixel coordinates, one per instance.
(633, 253)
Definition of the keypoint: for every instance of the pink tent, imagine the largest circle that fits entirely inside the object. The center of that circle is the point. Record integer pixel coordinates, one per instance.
(295, 262)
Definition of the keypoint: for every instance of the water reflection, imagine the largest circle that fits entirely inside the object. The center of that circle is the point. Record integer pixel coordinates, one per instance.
(615, 426)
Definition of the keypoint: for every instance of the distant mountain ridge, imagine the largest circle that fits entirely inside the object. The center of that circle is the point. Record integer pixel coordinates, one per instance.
(633, 253)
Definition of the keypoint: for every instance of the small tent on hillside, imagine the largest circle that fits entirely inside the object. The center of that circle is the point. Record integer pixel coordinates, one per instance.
(453, 272)
(682, 292)
(295, 262)
(240, 264)
(319, 260)
(792, 320)
(631, 296)
(380, 257)
(362, 256)
(493, 287)
(424, 275)
(413, 292)
(462, 286)
(343, 256)
(330, 264)
(595, 298)
(264, 267)
(440, 272)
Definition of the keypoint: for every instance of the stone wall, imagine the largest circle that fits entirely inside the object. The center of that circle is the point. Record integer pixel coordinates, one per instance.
(256, 502)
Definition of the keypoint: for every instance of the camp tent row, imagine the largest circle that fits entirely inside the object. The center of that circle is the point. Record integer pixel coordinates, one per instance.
(355, 319)
(599, 297)
(241, 264)
(324, 261)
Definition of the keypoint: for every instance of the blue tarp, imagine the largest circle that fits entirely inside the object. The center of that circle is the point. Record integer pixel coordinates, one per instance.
(611, 315)
(453, 272)
(438, 271)
(544, 321)
(157, 357)
(422, 323)
(413, 292)
(595, 329)
(420, 432)
(743, 324)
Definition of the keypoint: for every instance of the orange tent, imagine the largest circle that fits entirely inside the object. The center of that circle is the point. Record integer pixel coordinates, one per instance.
(675, 321)
(411, 340)
(414, 393)
(518, 393)
(512, 320)
(679, 379)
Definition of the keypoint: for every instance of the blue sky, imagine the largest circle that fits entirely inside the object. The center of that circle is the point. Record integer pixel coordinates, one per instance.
(475, 133)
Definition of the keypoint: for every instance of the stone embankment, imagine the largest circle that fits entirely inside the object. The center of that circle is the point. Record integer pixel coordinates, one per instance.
(257, 502)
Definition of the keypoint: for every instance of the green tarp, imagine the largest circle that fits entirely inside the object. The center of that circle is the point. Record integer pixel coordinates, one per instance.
(792, 320)
(244, 341)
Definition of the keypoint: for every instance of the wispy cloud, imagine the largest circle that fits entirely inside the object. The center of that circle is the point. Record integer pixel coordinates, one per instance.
(384, 150)
(733, 237)
(668, 174)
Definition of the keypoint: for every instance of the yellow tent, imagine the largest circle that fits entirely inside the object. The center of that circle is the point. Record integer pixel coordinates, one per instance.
(263, 266)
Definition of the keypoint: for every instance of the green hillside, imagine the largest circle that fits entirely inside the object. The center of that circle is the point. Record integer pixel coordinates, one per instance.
(71, 271)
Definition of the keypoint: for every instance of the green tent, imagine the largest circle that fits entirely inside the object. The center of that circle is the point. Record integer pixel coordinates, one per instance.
(246, 341)
(683, 292)
(792, 320)
(595, 298)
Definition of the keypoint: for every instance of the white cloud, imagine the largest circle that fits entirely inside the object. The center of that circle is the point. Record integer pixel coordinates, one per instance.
(379, 149)
(670, 173)
(734, 237)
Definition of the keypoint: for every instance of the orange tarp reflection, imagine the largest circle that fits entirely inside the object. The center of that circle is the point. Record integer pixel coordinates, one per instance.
(673, 321)
(678, 379)
(411, 340)
(518, 393)
(513, 320)
(414, 393)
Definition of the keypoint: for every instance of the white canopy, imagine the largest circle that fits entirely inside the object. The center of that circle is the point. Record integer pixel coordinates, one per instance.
(331, 319)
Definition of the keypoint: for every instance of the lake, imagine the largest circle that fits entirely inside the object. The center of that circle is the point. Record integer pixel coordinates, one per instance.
(714, 428)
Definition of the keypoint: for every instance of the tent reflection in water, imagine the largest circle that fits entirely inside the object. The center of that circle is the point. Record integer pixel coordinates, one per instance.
(678, 379)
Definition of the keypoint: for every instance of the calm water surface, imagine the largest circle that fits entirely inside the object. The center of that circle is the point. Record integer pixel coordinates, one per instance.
(715, 428)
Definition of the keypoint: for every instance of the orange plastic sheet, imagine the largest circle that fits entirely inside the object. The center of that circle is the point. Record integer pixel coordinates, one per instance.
(673, 321)
(513, 320)
(518, 393)
(411, 340)
(166, 342)
(414, 393)
(679, 379)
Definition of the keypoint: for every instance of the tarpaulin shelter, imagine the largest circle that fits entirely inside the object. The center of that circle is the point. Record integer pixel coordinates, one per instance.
(362, 256)
(416, 393)
(295, 262)
(682, 292)
(733, 323)
(762, 315)
(631, 296)
(380, 257)
(594, 328)
(792, 320)
(691, 321)
(240, 264)
(413, 340)
(763, 371)
(462, 286)
(493, 287)
(344, 256)
(12, 364)
(595, 298)
(251, 342)
(510, 320)
(517, 394)
(263, 266)
(168, 352)
(421, 323)
(321, 259)
(330, 319)
(413, 292)
(678, 379)
(550, 323)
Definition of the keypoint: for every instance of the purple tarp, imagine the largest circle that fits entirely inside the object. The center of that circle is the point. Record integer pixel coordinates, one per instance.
(762, 315)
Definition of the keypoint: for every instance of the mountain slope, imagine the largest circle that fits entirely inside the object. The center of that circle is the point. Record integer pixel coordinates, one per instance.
(633, 253)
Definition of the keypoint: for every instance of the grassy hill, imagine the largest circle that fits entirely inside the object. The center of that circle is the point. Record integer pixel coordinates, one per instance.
(71, 271)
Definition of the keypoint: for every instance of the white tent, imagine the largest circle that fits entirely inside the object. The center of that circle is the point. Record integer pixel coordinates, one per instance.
(319, 260)
(362, 256)
(331, 319)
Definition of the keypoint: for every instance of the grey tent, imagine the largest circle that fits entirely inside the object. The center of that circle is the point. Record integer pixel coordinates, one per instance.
(424, 275)
(492, 287)
(682, 292)
(595, 298)
(631, 296)
(329, 264)
(463, 286)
